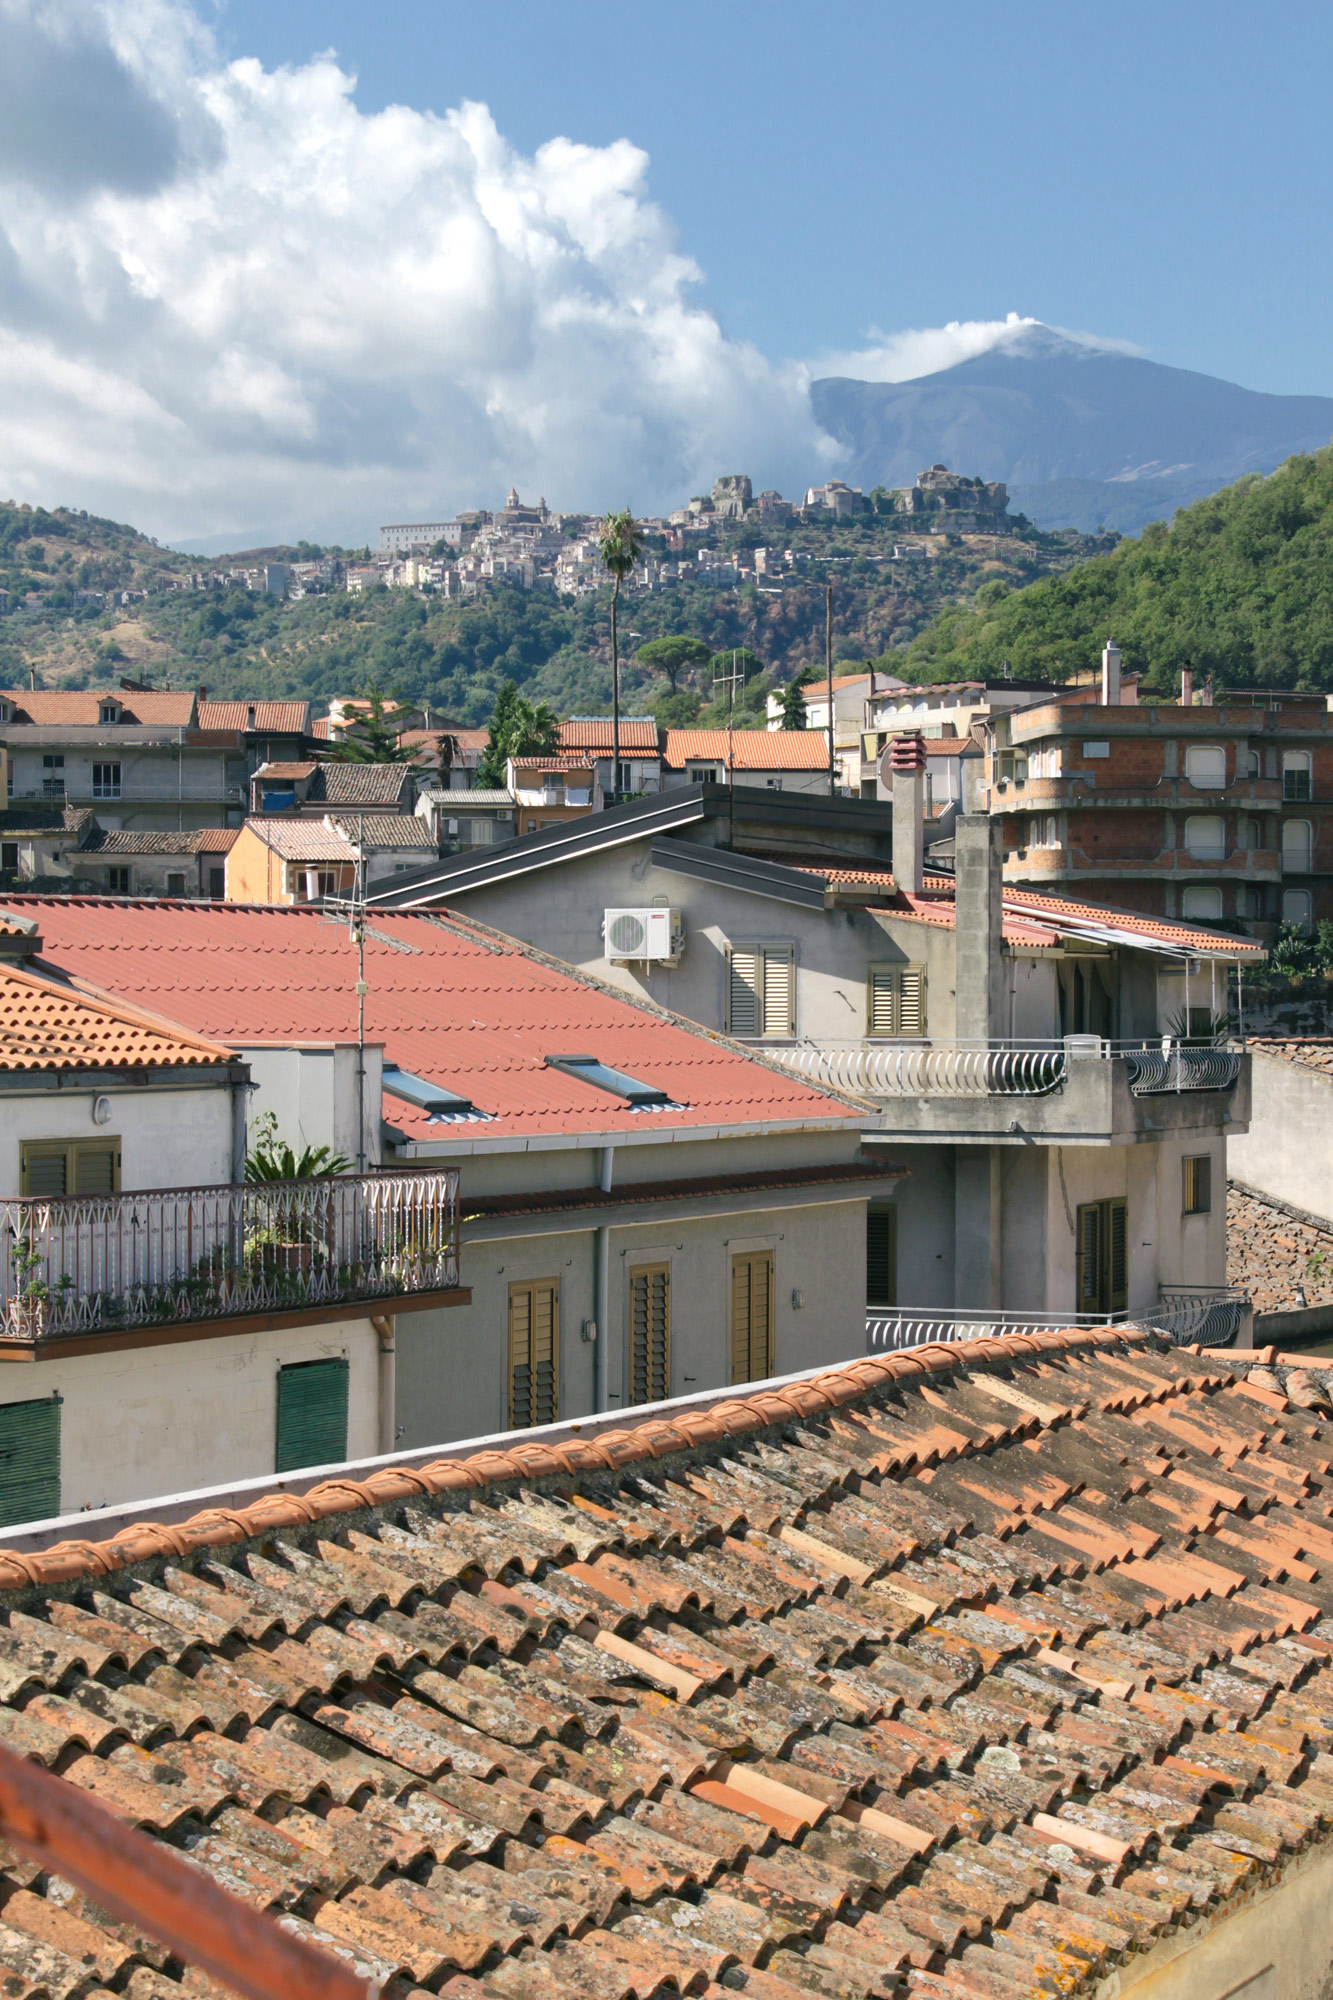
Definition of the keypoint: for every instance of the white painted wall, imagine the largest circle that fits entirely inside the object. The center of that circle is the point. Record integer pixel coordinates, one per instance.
(452, 1364)
(1288, 1150)
(312, 1091)
(169, 1138)
(194, 1413)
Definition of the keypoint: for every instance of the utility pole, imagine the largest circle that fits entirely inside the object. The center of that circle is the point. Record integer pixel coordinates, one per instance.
(828, 672)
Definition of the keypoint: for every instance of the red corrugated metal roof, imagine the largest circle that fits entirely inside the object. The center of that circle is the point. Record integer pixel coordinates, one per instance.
(465, 1009)
(751, 749)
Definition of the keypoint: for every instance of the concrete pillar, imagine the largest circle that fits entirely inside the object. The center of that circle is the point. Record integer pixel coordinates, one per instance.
(978, 927)
(978, 1271)
(1110, 675)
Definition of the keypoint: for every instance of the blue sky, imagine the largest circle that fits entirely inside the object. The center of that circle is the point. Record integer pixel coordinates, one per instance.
(271, 268)
(1156, 172)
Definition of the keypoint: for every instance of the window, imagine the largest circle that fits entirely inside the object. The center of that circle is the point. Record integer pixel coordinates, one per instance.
(1201, 905)
(29, 1460)
(1296, 845)
(1102, 1273)
(1297, 908)
(703, 774)
(217, 884)
(1043, 830)
(650, 1333)
(603, 1077)
(9, 857)
(773, 784)
(1098, 749)
(312, 1414)
(881, 1257)
(896, 1000)
(118, 881)
(1198, 1191)
(53, 778)
(761, 990)
(1295, 774)
(106, 781)
(752, 1316)
(1013, 767)
(534, 1353)
(1045, 763)
(1206, 837)
(175, 885)
(1206, 767)
(109, 711)
(53, 762)
(1247, 764)
(1251, 903)
(417, 1090)
(50, 1167)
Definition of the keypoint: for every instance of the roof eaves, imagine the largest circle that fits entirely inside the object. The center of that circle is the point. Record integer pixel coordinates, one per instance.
(727, 869)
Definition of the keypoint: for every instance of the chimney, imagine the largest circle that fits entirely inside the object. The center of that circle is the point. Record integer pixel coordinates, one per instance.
(1111, 675)
(202, 692)
(1187, 687)
(1208, 692)
(907, 762)
(978, 935)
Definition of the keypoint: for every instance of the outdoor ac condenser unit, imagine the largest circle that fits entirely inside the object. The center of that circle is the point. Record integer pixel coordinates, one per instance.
(657, 935)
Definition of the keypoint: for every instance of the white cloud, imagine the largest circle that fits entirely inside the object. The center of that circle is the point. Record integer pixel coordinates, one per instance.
(243, 306)
(902, 357)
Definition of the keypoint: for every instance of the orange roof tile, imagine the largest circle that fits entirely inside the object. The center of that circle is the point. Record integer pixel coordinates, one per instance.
(593, 732)
(841, 1685)
(77, 708)
(752, 749)
(1169, 930)
(282, 718)
(46, 1025)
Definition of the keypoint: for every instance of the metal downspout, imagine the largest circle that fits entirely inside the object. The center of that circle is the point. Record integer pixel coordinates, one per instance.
(386, 1330)
(601, 1276)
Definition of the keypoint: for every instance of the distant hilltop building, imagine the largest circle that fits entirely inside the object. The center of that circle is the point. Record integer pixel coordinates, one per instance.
(401, 537)
(944, 502)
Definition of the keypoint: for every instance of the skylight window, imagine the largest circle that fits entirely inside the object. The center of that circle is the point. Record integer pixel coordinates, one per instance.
(426, 1096)
(603, 1077)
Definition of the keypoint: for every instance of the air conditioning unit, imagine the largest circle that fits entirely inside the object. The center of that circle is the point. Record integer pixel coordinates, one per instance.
(657, 935)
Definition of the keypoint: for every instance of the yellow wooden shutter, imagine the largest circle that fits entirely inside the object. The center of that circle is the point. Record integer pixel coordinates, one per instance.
(743, 1011)
(650, 1333)
(779, 992)
(752, 1316)
(912, 1000)
(882, 1004)
(534, 1340)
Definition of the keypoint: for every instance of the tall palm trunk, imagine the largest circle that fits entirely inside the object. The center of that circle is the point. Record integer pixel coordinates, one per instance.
(615, 697)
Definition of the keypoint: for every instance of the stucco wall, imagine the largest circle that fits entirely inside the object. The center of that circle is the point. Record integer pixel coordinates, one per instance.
(312, 1092)
(1278, 1946)
(169, 1138)
(452, 1364)
(1286, 1151)
(254, 871)
(190, 1414)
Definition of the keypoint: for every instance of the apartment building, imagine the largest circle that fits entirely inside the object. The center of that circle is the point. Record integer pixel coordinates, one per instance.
(650, 1209)
(294, 859)
(1210, 813)
(313, 789)
(792, 760)
(1033, 1057)
(140, 757)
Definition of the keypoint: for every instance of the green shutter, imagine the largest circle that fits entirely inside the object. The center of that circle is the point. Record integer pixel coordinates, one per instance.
(881, 1256)
(312, 1414)
(29, 1460)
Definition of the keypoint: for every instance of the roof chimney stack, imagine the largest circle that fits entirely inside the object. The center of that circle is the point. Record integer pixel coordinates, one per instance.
(978, 903)
(907, 763)
(1187, 687)
(1111, 675)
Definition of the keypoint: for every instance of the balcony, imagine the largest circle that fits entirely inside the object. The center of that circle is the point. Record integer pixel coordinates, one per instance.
(1188, 1315)
(1078, 1090)
(82, 1266)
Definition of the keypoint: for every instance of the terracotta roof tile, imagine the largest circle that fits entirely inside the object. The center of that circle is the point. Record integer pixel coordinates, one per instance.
(281, 718)
(44, 1025)
(638, 734)
(751, 749)
(586, 1764)
(80, 707)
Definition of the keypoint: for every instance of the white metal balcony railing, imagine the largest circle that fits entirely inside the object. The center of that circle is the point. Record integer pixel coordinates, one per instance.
(1210, 1315)
(1006, 1068)
(81, 1264)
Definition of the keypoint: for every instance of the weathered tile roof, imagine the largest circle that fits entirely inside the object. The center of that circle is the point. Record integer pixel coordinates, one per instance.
(970, 1671)
(280, 718)
(751, 749)
(44, 1025)
(80, 707)
(193, 840)
(301, 839)
(1281, 1256)
(280, 770)
(362, 784)
(385, 830)
(1309, 1051)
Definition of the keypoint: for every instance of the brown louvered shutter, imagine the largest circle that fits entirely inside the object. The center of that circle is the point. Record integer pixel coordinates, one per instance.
(1118, 1256)
(752, 1316)
(650, 1333)
(743, 1010)
(534, 1339)
(882, 1002)
(1088, 1285)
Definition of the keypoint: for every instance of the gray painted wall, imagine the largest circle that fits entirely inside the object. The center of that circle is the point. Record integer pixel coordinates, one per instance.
(1288, 1150)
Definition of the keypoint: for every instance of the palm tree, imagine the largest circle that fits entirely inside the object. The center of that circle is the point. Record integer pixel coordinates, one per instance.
(619, 547)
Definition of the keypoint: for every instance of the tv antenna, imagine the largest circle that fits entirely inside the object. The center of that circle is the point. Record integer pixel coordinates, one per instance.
(730, 680)
(351, 910)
